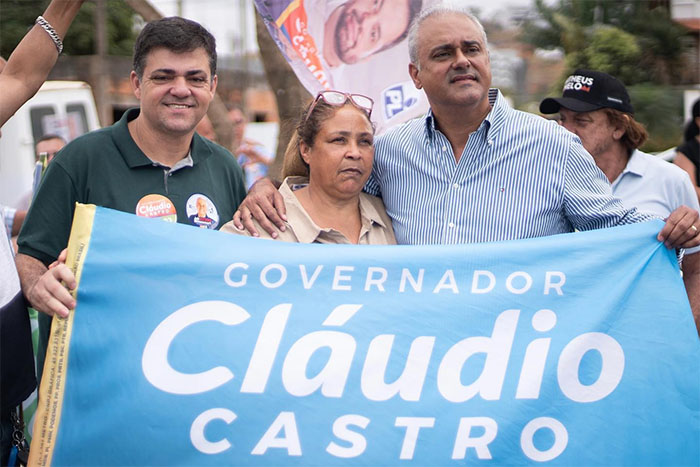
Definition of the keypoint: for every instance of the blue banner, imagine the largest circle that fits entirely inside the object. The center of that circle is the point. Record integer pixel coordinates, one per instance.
(195, 347)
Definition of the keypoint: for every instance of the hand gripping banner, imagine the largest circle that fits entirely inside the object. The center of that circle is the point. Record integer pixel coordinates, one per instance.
(194, 347)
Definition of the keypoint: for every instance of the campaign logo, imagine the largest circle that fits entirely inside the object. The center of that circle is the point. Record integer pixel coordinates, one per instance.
(202, 212)
(398, 98)
(157, 206)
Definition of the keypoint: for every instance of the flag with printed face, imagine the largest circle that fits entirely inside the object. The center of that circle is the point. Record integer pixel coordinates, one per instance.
(193, 347)
(352, 46)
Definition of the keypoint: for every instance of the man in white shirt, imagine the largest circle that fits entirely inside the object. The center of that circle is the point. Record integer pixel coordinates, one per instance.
(597, 108)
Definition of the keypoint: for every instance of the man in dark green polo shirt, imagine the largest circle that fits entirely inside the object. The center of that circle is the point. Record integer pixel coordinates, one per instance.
(150, 163)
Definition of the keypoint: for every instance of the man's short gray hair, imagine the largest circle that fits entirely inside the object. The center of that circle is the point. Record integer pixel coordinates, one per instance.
(446, 8)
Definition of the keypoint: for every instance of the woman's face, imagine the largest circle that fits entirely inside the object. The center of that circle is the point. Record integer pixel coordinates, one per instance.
(340, 160)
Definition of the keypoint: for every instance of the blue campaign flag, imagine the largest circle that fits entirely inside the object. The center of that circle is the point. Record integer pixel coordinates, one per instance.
(194, 347)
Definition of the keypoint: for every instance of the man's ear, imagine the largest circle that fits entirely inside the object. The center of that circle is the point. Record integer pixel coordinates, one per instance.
(619, 130)
(413, 71)
(135, 84)
(214, 82)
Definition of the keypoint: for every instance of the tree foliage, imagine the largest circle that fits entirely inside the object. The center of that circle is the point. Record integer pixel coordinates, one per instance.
(587, 31)
(17, 16)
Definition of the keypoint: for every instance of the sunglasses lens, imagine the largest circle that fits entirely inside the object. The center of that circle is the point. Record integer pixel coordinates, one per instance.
(334, 97)
(362, 101)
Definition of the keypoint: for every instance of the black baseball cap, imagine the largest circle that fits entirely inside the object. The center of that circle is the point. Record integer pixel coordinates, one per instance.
(587, 90)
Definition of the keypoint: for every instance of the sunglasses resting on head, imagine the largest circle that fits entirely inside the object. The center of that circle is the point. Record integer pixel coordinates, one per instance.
(338, 99)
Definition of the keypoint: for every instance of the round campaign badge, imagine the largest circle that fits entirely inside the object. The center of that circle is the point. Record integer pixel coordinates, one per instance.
(156, 206)
(202, 212)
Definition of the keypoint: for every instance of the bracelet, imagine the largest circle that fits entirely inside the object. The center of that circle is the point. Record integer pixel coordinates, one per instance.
(51, 32)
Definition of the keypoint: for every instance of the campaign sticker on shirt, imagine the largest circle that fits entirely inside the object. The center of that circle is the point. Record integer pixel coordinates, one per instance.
(156, 206)
(202, 212)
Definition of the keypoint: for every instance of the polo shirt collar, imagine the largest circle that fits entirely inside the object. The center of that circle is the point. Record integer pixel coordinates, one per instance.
(134, 157)
(637, 165)
(308, 231)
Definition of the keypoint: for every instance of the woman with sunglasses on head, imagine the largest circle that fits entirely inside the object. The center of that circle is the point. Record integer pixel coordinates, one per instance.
(326, 165)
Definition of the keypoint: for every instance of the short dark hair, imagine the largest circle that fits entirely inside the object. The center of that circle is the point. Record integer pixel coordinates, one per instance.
(49, 136)
(176, 34)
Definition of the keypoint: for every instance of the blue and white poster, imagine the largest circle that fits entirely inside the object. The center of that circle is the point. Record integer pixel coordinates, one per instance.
(193, 347)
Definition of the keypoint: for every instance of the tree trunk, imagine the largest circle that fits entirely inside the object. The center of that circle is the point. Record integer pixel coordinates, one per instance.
(289, 93)
(217, 113)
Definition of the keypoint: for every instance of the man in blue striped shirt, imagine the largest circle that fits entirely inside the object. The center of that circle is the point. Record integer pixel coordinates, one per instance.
(473, 169)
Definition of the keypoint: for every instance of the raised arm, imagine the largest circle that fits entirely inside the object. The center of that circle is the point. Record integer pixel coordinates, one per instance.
(32, 60)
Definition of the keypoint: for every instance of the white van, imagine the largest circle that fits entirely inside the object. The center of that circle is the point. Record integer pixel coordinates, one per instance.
(66, 108)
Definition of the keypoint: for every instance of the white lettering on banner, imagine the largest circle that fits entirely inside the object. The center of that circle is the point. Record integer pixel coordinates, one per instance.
(413, 426)
(329, 377)
(332, 378)
(358, 443)
(447, 282)
(410, 384)
(199, 441)
(308, 283)
(476, 280)
(284, 421)
(561, 439)
(347, 279)
(550, 284)
(416, 284)
(513, 278)
(497, 350)
(283, 433)
(265, 281)
(570, 360)
(376, 281)
(227, 275)
(265, 349)
(154, 361)
(535, 357)
(339, 276)
(481, 443)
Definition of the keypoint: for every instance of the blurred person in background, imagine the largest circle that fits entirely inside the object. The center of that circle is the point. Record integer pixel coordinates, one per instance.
(47, 147)
(596, 107)
(45, 150)
(252, 156)
(206, 129)
(326, 164)
(20, 78)
(688, 153)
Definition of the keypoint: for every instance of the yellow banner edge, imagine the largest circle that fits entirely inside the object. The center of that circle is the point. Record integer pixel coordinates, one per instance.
(55, 366)
(287, 11)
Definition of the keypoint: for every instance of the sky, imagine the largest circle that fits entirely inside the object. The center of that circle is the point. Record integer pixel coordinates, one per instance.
(223, 18)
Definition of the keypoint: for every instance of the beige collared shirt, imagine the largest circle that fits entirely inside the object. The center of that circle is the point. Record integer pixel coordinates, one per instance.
(376, 225)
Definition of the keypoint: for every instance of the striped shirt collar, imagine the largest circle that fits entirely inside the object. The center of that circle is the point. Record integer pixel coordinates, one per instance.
(493, 121)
